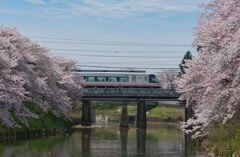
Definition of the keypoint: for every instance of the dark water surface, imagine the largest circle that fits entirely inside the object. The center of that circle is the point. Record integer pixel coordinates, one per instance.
(108, 141)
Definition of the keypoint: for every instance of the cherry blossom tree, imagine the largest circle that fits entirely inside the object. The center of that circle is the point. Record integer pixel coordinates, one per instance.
(211, 84)
(29, 74)
(168, 77)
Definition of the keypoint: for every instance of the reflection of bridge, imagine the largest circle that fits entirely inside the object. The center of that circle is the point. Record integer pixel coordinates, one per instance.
(145, 143)
(139, 95)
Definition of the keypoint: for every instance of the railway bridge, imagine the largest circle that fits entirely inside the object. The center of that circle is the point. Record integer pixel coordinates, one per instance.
(139, 95)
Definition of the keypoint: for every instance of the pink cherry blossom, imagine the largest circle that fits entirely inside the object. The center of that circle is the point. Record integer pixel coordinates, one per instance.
(29, 74)
(211, 84)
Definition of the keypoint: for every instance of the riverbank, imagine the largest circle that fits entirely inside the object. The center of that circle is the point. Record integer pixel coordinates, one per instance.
(46, 124)
(224, 139)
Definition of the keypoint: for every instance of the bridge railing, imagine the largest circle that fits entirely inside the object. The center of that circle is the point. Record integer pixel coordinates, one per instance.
(124, 92)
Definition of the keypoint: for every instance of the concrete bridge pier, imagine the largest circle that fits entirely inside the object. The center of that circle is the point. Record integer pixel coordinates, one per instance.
(93, 112)
(141, 115)
(124, 116)
(86, 113)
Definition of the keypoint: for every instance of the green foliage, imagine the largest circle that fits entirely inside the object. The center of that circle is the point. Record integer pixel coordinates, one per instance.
(224, 139)
(132, 110)
(188, 55)
(76, 111)
(17, 119)
(45, 121)
(108, 107)
(114, 108)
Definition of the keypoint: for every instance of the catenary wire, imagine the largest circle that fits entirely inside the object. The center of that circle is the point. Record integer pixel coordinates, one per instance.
(115, 51)
(119, 44)
(67, 40)
(112, 56)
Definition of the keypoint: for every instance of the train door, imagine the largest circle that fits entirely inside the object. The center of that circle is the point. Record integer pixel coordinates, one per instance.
(140, 79)
(134, 79)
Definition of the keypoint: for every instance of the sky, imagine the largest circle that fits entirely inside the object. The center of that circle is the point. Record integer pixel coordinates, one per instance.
(108, 34)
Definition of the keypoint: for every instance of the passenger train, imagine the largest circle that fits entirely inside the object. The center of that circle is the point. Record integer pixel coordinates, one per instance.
(118, 79)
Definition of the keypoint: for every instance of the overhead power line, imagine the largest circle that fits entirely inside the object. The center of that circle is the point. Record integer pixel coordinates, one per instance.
(116, 51)
(113, 56)
(100, 42)
(119, 44)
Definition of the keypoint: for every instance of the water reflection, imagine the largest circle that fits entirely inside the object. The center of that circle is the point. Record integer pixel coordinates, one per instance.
(141, 142)
(86, 135)
(188, 144)
(124, 142)
(105, 142)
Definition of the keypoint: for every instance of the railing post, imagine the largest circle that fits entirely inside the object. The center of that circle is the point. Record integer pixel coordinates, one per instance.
(141, 114)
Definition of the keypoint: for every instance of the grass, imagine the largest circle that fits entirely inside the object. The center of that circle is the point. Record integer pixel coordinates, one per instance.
(224, 139)
(108, 107)
(132, 110)
(165, 112)
(46, 121)
(115, 108)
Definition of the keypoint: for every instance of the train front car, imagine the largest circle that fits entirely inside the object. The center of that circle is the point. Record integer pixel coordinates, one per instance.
(154, 81)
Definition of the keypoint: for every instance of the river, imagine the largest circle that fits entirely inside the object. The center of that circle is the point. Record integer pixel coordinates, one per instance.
(106, 141)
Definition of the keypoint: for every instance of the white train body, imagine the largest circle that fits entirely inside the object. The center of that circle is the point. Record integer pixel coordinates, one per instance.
(118, 79)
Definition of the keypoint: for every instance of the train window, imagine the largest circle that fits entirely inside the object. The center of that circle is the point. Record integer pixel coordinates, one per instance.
(153, 79)
(112, 79)
(101, 79)
(133, 78)
(123, 79)
(90, 79)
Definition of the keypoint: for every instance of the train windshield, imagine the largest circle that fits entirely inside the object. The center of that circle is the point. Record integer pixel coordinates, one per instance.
(153, 79)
